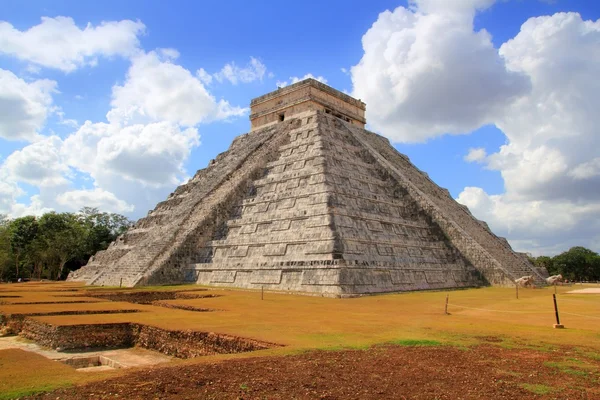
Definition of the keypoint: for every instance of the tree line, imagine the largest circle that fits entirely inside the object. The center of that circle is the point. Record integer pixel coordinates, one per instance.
(577, 264)
(50, 246)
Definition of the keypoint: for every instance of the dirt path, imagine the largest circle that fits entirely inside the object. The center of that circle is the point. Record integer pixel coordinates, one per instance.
(385, 372)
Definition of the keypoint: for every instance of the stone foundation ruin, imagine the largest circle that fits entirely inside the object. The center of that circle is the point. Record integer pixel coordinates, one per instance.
(309, 201)
(180, 344)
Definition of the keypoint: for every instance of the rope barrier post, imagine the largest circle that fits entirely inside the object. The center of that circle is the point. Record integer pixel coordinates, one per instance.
(517, 287)
(262, 292)
(121, 283)
(446, 308)
(557, 325)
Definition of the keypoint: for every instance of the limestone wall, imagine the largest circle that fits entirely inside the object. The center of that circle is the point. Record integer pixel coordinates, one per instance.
(315, 205)
(306, 95)
(324, 220)
(181, 344)
(491, 255)
(153, 250)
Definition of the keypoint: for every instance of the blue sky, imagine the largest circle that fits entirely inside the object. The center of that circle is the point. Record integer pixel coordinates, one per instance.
(488, 97)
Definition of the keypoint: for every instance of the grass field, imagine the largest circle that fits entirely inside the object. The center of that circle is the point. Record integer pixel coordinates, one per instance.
(302, 323)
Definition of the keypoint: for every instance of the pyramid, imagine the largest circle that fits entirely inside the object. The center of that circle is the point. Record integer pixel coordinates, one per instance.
(309, 201)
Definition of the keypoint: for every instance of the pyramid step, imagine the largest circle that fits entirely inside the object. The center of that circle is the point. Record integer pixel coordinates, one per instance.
(314, 203)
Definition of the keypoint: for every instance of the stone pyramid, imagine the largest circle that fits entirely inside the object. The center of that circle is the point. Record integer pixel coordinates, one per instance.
(309, 201)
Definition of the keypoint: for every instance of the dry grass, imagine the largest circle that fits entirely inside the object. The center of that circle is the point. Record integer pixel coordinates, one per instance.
(302, 323)
(23, 372)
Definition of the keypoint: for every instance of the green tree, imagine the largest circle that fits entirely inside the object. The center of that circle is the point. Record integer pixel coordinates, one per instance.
(545, 262)
(40, 256)
(55, 242)
(62, 235)
(578, 263)
(100, 230)
(22, 233)
(6, 258)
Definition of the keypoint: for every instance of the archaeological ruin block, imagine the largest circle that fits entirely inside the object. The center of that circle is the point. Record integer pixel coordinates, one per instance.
(309, 201)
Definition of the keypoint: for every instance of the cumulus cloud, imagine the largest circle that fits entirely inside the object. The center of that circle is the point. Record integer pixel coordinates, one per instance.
(138, 164)
(253, 71)
(134, 159)
(38, 164)
(425, 72)
(550, 164)
(11, 198)
(59, 43)
(537, 226)
(9, 193)
(295, 79)
(157, 89)
(586, 170)
(151, 154)
(476, 155)
(23, 106)
(130, 166)
(36, 207)
(553, 131)
(139, 155)
(99, 198)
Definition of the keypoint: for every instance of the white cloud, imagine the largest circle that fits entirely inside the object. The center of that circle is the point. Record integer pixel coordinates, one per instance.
(139, 156)
(538, 226)
(156, 89)
(99, 198)
(204, 76)
(476, 155)
(295, 79)
(552, 132)
(550, 164)
(587, 170)
(169, 53)
(23, 106)
(253, 71)
(133, 160)
(149, 155)
(426, 72)
(9, 193)
(36, 207)
(11, 198)
(59, 43)
(38, 164)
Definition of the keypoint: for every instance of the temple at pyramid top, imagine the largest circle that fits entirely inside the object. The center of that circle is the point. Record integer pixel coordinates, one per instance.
(306, 95)
(309, 201)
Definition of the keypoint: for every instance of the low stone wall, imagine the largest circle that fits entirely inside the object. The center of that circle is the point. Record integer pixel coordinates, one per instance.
(12, 324)
(181, 344)
(190, 344)
(68, 337)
